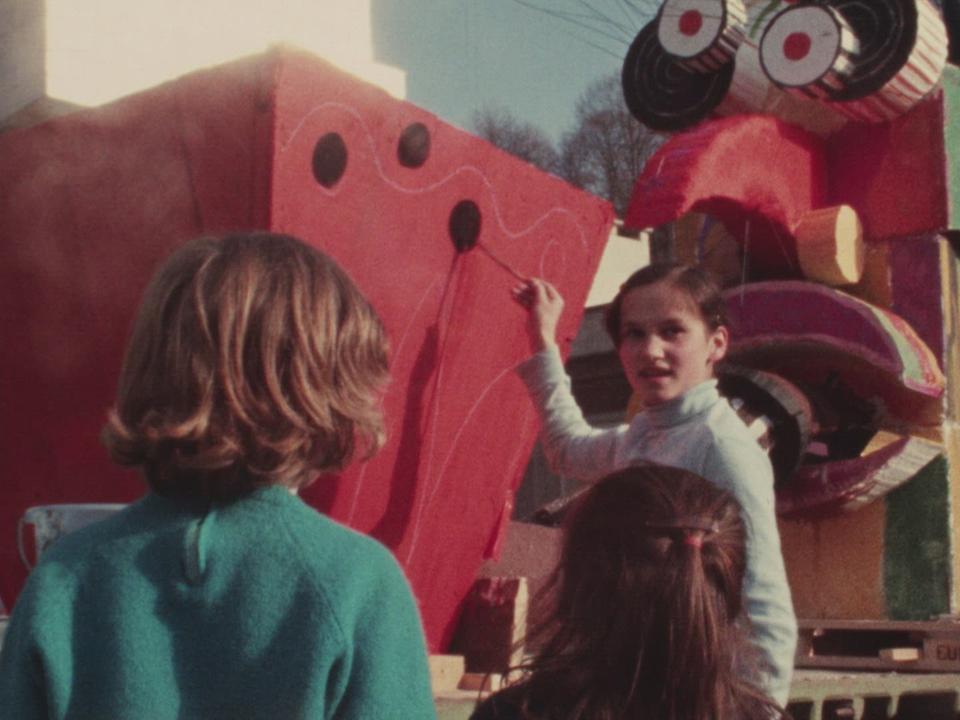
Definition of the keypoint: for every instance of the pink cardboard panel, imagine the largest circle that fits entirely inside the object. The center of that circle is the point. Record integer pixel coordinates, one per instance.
(894, 174)
(461, 426)
(91, 202)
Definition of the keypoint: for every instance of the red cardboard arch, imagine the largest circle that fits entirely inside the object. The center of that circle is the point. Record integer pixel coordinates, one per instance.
(756, 174)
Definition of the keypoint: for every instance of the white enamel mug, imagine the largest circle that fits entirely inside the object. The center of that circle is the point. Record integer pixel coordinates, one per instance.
(52, 521)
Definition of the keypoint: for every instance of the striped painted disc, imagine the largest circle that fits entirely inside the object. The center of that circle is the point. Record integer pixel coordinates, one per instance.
(702, 34)
(664, 94)
(903, 50)
(808, 49)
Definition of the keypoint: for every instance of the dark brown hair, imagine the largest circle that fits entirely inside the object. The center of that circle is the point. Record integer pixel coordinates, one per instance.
(640, 617)
(698, 284)
(254, 360)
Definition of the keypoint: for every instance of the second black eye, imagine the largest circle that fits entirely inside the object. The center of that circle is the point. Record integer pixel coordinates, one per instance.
(329, 159)
(413, 148)
(464, 225)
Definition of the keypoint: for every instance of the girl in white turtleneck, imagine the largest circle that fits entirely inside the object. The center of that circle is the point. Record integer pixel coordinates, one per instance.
(668, 325)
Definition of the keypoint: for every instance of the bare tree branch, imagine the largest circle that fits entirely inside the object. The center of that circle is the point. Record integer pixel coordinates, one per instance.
(607, 149)
(501, 128)
(603, 153)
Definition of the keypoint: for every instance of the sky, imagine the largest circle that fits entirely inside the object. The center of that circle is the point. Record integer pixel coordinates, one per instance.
(463, 55)
(98, 50)
(450, 57)
(458, 56)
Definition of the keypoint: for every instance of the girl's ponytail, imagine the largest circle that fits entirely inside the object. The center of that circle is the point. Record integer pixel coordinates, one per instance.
(641, 616)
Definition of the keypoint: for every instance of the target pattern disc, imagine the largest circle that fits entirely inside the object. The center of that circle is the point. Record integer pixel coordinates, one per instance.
(808, 50)
(664, 94)
(702, 34)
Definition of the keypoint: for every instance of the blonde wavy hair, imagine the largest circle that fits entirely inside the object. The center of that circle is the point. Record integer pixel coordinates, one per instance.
(254, 360)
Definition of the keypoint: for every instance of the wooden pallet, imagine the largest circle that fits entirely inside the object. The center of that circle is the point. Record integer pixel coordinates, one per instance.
(851, 695)
(900, 646)
(819, 695)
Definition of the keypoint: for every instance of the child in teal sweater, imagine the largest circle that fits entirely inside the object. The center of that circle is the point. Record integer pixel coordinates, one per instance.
(255, 364)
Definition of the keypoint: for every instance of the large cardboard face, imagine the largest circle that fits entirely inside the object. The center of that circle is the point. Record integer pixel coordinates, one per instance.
(812, 153)
(428, 220)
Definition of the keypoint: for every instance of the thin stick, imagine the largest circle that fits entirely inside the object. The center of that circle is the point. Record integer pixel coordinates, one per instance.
(501, 263)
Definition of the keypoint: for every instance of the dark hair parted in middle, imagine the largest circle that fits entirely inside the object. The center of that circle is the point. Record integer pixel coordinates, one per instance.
(254, 360)
(703, 290)
(640, 618)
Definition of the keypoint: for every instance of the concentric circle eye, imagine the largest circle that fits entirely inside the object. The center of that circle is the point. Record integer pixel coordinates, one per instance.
(663, 93)
(808, 48)
(903, 50)
(702, 34)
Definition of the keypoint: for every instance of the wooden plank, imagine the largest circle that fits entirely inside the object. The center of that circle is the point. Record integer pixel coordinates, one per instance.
(899, 655)
(482, 682)
(906, 646)
(817, 693)
(493, 624)
(944, 650)
(946, 626)
(830, 245)
(445, 672)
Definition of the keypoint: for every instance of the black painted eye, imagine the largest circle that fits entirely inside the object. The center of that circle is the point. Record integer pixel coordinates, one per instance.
(329, 159)
(464, 226)
(413, 149)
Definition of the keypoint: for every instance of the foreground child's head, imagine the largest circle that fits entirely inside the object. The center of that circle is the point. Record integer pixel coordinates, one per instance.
(641, 616)
(669, 327)
(254, 360)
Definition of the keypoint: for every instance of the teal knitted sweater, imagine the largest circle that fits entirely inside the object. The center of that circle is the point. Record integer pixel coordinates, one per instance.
(261, 608)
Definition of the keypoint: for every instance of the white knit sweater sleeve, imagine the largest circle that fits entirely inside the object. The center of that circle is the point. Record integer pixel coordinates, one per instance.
(573, 448)
(743, 469)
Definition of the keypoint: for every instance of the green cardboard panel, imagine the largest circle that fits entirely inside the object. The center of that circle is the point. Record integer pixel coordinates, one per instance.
(917, 546)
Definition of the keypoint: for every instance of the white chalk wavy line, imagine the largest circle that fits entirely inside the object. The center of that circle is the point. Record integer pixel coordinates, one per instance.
(419, 191)
(432, 481)
(435, 485)
(403, 339)
(443, 322)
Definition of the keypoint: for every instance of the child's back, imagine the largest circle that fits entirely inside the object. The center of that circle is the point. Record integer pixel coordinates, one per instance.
(255, 608)
(254, 365)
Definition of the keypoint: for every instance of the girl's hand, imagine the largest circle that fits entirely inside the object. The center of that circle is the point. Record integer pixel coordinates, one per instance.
(544, 305)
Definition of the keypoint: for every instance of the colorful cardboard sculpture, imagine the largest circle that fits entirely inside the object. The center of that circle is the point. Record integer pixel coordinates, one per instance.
(424, 217)
(813, 143)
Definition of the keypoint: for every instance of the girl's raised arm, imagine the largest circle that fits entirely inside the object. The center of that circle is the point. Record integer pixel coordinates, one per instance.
(544, 306)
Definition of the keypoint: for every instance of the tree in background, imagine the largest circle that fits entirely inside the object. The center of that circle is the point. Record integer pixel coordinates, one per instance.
(499, 127)
(603, 153)
(607, 148)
